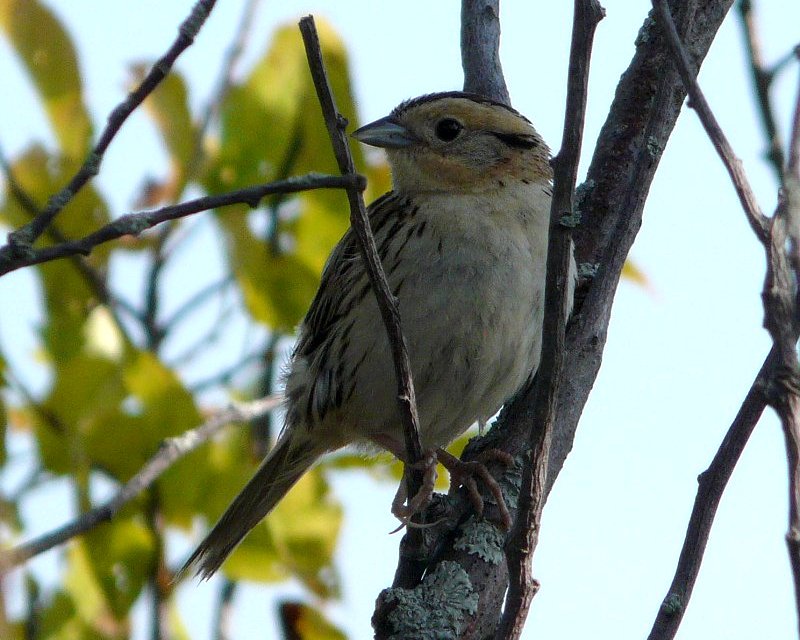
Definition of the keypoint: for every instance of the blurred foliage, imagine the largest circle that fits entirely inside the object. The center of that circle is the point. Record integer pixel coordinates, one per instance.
(113, 397)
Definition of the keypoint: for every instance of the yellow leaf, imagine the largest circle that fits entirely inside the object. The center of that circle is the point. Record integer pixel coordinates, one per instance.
(306, 623)
(168, 106)
(49, 57)
(633, 273)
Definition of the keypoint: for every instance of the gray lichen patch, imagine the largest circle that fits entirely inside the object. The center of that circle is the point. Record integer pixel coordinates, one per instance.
(435, 609)
(483, 539)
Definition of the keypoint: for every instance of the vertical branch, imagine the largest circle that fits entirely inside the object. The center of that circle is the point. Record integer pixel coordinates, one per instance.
(480, 49)
(525, 535)
(387, 303)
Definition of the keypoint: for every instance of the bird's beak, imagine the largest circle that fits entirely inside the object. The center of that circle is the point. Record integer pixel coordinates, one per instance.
(386, 133)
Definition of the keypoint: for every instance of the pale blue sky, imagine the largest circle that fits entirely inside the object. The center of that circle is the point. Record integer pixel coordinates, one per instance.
(679, 359)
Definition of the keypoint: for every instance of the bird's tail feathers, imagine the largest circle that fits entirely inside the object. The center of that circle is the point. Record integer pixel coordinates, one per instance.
(289, 459)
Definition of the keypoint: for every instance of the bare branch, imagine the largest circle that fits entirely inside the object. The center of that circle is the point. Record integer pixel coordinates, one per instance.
(782, 320)
(525, 534)
(93, 278)
(170, 451)
(793, 166)
(198, 300)
(387, 302)
(711, 486)
(780, 237)
(755, 217)
(762, 81)
(135, 223)
(480, 49)
(20, 241)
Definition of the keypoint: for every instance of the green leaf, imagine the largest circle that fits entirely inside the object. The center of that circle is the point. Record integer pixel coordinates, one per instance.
(41, 175)
(84, 400)
(121, 555)
(168, 106)
(277, 288)
(59, 620)
(68, 298)
(268, 135)
(90, 608)
(49, 57)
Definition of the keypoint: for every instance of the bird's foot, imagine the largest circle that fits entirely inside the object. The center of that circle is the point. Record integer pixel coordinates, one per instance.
(464, 474)
(403, 507)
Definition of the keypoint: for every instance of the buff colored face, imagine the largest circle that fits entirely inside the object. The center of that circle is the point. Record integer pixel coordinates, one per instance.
(455, 143)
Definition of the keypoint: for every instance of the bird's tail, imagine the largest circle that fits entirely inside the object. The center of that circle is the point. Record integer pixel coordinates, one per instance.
(289, 459)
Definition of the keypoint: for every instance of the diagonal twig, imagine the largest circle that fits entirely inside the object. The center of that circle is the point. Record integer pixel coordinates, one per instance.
(525, 534)
(758, 222)
(762, 77)
(21, 240)
(172, 449)
(135, 223)
(387, 303)
(711, 486)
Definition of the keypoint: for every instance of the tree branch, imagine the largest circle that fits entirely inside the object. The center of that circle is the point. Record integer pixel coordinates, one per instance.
(525, 535)
(711, 486)
(135, 223)
(758, 222)
(20, 241)
(480, 49)
(762, 81)
(170, 451)
(780, 237)
(387, 302)
(93, 278)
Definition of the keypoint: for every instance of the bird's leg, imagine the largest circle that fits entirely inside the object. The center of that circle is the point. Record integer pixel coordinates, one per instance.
(465, 473)
(403, 510)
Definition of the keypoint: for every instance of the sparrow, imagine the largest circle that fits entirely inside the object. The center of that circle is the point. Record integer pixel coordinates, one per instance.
(463, 239)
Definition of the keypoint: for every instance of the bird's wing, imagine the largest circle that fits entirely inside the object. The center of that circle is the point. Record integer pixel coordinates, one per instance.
(344, 279)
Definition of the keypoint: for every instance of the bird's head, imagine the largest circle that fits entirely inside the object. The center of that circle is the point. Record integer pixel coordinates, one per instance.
(458, 142)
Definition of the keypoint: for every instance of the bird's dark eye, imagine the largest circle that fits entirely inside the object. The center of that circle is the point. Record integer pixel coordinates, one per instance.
(448, 129)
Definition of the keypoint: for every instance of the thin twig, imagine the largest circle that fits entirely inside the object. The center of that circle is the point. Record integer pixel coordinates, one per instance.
(93, 278)
(762, 81)
(172, 449)
(20, 241)
(387, 303)
(525, 534)
(225, 376)
(780, 238)
(711, 486)
(135, 223)
(198, 300)
(758, 222)
(154, 333)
